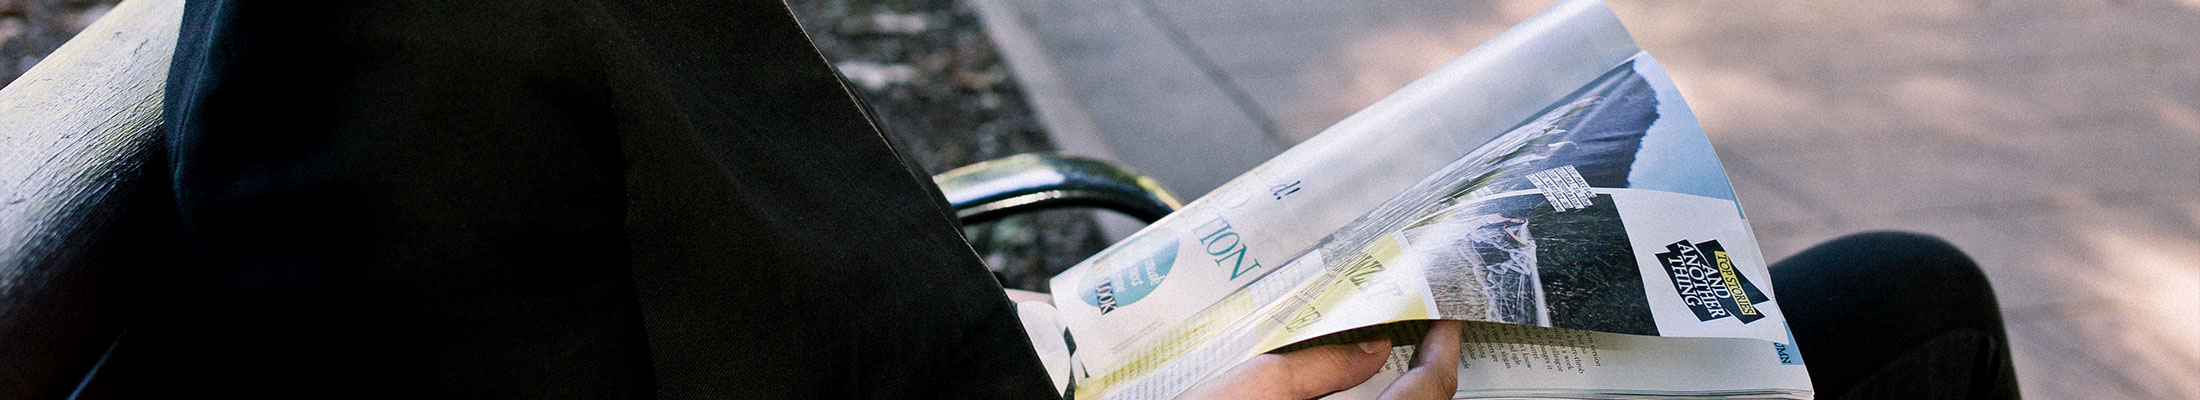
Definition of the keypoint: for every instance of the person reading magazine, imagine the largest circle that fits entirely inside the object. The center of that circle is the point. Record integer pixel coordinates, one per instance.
(680, 199)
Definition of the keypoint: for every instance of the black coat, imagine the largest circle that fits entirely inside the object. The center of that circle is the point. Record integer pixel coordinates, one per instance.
(536, 199)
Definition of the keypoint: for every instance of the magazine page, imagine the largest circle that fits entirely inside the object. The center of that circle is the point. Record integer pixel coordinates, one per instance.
(1200, 258)
(1514, 361)
(1608, 212)
(1602, 209)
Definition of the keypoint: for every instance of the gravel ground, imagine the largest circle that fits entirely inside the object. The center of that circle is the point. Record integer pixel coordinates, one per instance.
(925, 67)
(29, 29)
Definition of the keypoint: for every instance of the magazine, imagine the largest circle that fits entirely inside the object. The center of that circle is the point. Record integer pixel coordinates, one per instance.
(1550, 186)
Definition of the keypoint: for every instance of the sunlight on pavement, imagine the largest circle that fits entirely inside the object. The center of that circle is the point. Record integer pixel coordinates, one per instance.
(2157, 279)
(1381, 61)
(2183, 117)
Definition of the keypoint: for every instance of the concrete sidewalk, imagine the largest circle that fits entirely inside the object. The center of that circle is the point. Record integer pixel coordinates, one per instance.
(2056, 140)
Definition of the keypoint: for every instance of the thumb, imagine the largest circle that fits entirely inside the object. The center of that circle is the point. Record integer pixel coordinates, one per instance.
(1302, 374)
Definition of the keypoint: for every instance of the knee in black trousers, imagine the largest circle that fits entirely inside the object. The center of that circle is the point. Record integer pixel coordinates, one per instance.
(1884, 314)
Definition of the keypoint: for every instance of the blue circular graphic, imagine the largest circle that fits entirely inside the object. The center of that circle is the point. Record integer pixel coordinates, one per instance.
(1130, 272)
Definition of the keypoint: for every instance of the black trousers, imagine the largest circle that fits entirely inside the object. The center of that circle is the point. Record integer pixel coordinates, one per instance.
(1895, 315)
(582, 199)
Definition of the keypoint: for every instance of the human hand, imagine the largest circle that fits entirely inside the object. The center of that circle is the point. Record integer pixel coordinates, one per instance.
(1321, 370)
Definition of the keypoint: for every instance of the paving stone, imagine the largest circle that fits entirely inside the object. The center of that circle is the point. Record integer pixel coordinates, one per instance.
(1165, 115)
(2104, 351)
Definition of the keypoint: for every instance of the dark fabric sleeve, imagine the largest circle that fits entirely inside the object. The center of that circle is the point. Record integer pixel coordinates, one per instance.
(550, 199)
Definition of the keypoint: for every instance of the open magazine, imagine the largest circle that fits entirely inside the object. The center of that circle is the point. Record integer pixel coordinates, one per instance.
(1549, 186)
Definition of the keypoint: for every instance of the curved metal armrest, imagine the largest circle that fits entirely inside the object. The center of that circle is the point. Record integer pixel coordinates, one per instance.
(1021, 183)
